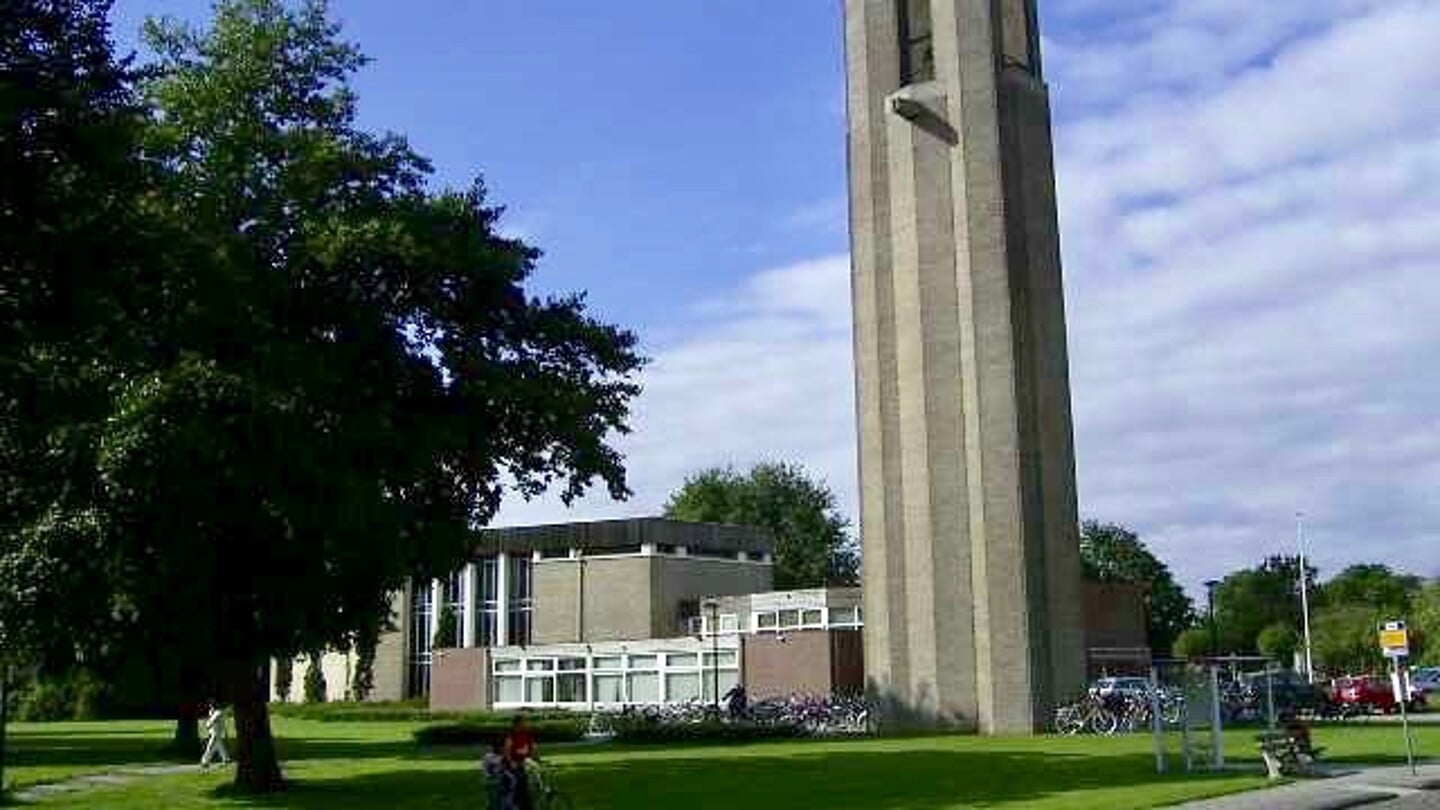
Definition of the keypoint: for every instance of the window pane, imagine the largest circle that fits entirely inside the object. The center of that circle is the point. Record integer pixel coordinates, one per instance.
(570, 688)
(644, 687)
(507, 665)
(572, 664)
(539, 690)
(765, 621)
(540, 664)
(642, 662)
(729, 622)
(842, 615)
(609, 662)
(789, 618)
(725, 657)
(682, 686)
(509, 690)
(609, 689)
(727, 677)
(812, 618)
(682, 660)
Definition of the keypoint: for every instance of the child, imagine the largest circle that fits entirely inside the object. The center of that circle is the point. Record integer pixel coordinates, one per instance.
(497, 775)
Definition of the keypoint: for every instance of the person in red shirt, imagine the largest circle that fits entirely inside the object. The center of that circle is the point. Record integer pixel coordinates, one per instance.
(519, 748)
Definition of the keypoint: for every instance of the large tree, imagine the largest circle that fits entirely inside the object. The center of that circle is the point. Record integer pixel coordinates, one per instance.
(345, 371)
(1425, 624)
(72, 242)
(812, 542)
(1371, 584)
(1113, 553)
(1248, 601)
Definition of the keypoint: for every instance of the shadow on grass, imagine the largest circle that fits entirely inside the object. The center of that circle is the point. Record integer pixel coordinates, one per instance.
(84, 750)
(921, 780)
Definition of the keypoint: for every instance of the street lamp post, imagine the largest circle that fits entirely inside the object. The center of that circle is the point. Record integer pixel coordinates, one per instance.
(1210, 585)
(1304, 595)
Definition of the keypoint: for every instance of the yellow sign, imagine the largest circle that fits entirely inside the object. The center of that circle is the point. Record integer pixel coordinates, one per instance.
(1390, 639)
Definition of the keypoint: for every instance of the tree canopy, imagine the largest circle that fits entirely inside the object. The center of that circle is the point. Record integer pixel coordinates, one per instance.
(1248, 601)
(299, 375)
(1112, 553)
(812, 543)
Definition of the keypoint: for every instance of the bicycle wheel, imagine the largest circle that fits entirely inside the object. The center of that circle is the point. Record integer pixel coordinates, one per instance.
(1103, 721)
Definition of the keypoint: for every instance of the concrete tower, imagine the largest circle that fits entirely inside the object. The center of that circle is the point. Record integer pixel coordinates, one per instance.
(967, 469)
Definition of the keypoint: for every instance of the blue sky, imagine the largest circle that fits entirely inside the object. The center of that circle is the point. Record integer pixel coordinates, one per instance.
(1249, 195)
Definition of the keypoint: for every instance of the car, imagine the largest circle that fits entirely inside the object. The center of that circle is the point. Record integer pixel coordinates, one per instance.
(1426, 679)
(1371, 693)
(1290, 691)
(1121, 687)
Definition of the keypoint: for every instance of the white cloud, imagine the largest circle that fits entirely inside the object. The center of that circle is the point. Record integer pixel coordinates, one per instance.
(764, 374)
(1249, 199)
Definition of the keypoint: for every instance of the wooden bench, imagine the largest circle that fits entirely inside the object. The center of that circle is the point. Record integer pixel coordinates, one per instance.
(1288, 752)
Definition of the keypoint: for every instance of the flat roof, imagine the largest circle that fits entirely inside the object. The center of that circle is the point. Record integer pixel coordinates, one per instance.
(611, 534)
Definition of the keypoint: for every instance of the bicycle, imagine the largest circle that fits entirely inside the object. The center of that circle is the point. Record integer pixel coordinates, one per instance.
(544, 795)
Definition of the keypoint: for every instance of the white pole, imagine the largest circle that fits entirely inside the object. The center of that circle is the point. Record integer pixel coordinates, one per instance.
(1304, 596)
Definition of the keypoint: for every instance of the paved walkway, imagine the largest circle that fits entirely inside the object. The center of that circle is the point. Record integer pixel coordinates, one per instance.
(115, 776)
(1388, 787)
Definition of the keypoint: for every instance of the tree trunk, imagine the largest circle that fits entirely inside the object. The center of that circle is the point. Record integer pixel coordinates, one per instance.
(256, 768)
(186, 742)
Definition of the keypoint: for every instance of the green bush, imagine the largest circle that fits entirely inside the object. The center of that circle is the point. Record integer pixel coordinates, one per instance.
(284, 678)
(649, 730)
(407, 711)
(314, 680)
(474, 732)
(78, 696)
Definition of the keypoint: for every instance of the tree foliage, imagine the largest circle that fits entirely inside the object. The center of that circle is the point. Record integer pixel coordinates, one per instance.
(812, 543)
(1425, 624)
(1192, 642)
(1112, 553)
(1343, 639)
(1375, 585)
(1279, 642)
(257, 373)
(447, 629)
(1250, 600)
(284, 678)
(314, 686)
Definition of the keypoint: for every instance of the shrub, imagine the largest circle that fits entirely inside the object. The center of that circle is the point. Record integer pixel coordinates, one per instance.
(284, 678)
(479, 732)
(314, 680)
(76, 696)
(362, 683)
(447, 629)
(642, 729)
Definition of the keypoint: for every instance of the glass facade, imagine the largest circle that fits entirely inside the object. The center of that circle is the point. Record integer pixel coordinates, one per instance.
(487, 602)
(521, 579)
(418, 658)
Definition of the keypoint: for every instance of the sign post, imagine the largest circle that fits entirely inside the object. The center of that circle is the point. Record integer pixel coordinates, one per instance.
(1395, 644)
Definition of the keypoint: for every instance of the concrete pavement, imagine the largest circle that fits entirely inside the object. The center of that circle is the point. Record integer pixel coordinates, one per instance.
(1387, 786)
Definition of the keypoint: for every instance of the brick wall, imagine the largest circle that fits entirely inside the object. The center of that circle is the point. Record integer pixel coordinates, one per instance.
(458, 680)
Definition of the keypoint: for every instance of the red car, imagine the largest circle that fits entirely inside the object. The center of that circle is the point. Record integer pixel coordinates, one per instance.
(1370, 693)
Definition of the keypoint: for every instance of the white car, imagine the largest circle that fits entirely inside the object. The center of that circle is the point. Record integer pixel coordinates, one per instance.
(1115, 687)
(1427, 680)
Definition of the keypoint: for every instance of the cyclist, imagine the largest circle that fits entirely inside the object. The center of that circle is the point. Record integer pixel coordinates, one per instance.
(518, 749)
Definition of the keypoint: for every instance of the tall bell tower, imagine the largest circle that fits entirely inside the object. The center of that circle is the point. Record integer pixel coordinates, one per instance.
(967, 471)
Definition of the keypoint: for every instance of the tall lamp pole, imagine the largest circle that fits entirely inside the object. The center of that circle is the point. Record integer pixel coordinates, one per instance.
(1210, 608)
(1304, 595)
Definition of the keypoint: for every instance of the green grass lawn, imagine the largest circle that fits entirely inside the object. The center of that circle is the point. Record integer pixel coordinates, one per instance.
(370, 764)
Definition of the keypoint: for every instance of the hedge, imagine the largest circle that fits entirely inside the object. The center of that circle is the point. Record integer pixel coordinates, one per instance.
(641, 729)
(409, 711)
(473, 732)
